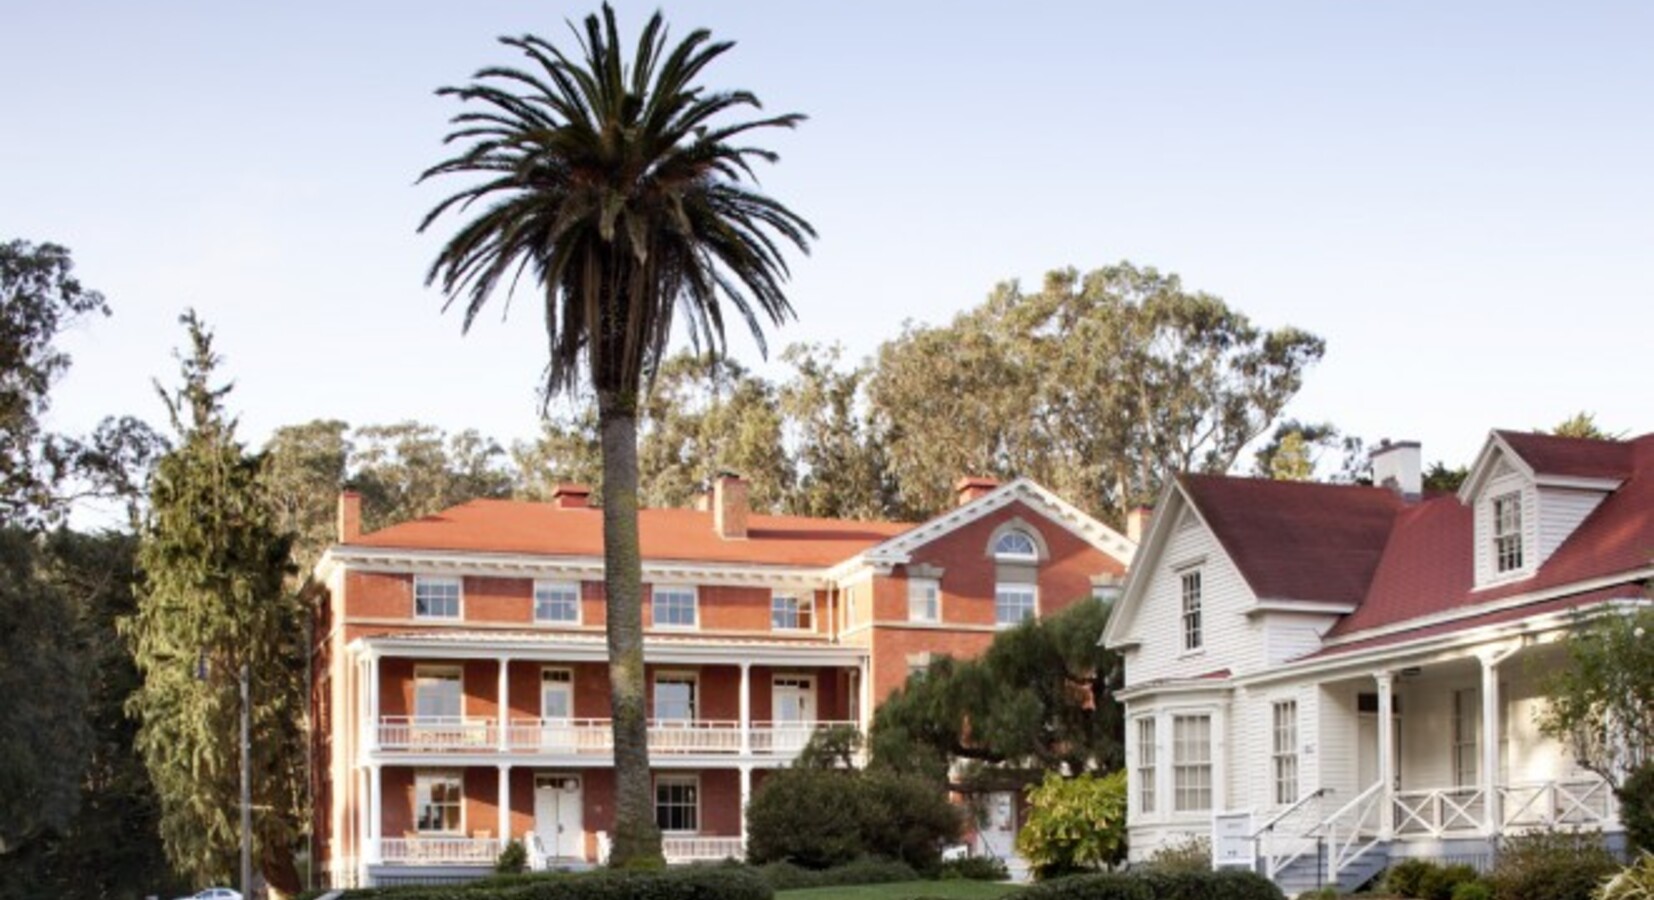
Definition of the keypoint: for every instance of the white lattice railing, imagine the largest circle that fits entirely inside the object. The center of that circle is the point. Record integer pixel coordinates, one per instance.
(436, 733)
(1439, 811)
(1353, 829)
(1289, 834)
(787, 738)
(693, 848)
(439, 850)
(1576, 802)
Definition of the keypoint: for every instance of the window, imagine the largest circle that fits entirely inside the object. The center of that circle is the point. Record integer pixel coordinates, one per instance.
(1016, 545)
(557, 601)
(674, 607)
(1507, 532)
(438, 803)
(924, 600)
(556, 694)
(675, 698)
(1145, 765)
(1285, 755)
(1191, 763)
(788, 613)
(437, 694)
(1467, 727)
(436, 598)
(677, 803)
(1012, 604)
(1193, 637)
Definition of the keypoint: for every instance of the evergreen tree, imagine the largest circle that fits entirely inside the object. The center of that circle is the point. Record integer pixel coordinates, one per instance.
(212, 601)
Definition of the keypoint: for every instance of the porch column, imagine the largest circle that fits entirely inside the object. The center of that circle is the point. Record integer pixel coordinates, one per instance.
(746, 721)
(505, 703)
(865, 713)
(376, 810)
(372, 706)
(1491, 807)
(746, 797)
(1386, 755)
(505, 805)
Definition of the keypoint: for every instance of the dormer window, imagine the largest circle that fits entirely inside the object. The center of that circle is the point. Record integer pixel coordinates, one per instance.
(1507, 532)
(1016, 546)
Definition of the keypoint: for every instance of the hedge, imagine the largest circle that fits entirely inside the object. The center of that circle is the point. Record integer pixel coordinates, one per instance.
(1156, 885)
(784, 876)
(689, 883)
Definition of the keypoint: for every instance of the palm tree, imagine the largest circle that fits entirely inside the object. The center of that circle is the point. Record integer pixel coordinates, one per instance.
(617, 187)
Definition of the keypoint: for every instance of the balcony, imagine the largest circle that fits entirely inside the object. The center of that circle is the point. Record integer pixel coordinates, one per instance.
(439, 851)
(593, 737)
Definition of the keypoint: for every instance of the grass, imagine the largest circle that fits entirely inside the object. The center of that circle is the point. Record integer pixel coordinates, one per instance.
(906, 890)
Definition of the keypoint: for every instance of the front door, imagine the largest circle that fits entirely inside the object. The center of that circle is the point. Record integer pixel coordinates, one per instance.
(1366, 754)
(557, 816)
(998, 835)
(557, 710)
(793, 702)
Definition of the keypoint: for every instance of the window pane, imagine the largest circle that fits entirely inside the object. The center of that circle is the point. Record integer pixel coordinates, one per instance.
(1193, 636)
(788, 613)
(674, 607)
(676, 805)
(436, 598)
(674, 699)
(1145, 764)
(556, 602)
(1013, 604)
(924, 600)
(437, 695)
(1017, 545)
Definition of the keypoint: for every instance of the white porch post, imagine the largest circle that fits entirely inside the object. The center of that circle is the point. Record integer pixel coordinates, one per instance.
(746, 797)
(376, 809)
(505, 704)
(865, 713)
(746, 725)
(1490, 744)
(372, 706)
(1220, 757)
(505, 805)
(1386, 755)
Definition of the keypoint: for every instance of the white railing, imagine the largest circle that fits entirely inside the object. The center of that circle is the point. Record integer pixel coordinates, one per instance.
(694, 736)
(1544, 804)
(604, 847)
(1439, 811)
(695, 848)
(436, 733)
(565, 736)
(439, 850)
(787, 738)
(538, 859)
(1353, 829)
(1288, 835)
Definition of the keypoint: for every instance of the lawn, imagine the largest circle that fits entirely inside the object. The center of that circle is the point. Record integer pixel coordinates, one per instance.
(906, 890)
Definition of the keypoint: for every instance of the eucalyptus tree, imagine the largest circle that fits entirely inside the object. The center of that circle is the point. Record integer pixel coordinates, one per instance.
(622, 189)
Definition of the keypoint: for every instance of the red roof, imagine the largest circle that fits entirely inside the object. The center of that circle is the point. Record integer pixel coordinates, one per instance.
(1548, 454)
(514, 526)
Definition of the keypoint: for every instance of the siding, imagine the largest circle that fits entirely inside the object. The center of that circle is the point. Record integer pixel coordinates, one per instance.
(1230, 640)
(1289, 636)
(1337, 729)
(1506, 481)
(1560, 512)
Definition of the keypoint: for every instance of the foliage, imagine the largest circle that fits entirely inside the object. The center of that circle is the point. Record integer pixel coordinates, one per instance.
(975, 868)
(1075, 824)
(1443, 882)
(1440, 479)
(841, 469)
(715, 882)
(819, 818)
(1294, 450)
(1583, 424)
(907, 817)
(1097, 386)
(1154, 885)
(513, 858)
(1192, 854)
(784, 876)
(833, 747)
(1550, 865)
(1602, 700)
(1636, 797)
(1041, 698)
(621, 186)
(1322, 893)
(1472, 890)
(702, 416)
(1406, 877)
(213, 602)
(1634, 882)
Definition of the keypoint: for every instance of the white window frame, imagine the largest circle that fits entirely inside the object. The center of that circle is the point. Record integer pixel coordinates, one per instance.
(1507, 534)
(545, 672)
(691, 781)
(923, 593)
(1020, 588)
(1192, 606)
(803, 608)
(1191, 770)
(422, 781)
(443, 580)
(549, 586)
(672, 675)
(1031, 555)
(1284, 750)
(1146, 764)
(677, 589)
(455, 674)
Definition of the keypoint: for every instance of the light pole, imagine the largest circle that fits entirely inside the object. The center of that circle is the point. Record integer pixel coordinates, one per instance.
(246, 790)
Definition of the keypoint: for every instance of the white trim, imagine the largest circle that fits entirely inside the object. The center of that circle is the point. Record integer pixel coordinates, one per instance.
(398, 561)
(934, 584)
(693, 779)
(583, 648)
(546, 669)
(801, 598)
(1033, 613)
(1018, 525)
(899, 549)
(1263, 605)
(464, 801)
(676, 675)
(655, 591)
(579, 597)
(459, 597)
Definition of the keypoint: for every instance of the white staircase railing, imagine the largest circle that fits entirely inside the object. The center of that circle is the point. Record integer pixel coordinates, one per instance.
(1288, 835)
(1353, 830)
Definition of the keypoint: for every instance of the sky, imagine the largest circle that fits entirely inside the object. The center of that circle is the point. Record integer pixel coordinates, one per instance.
(1458, 197)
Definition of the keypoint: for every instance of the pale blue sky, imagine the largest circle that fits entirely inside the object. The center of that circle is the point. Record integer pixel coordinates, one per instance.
(1457, 196)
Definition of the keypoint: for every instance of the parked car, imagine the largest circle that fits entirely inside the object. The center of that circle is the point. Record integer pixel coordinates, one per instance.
(215, 893)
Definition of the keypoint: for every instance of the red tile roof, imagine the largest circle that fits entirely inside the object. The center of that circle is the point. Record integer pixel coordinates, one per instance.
(512, 526)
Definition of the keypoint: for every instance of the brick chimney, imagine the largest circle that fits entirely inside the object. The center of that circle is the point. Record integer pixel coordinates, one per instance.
(350, 516)
(970, 488)
(1399, 466)
(571, 496)
(1137, 523)
(729, 506)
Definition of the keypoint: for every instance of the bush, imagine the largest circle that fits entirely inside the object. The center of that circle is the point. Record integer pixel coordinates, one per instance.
(1636, 882)
(1075, 824)
(688, 883)
(1440, 882)
(1405, 878)
(907, 818)
(1192, 854)
(974, 868)
(783, 876)
(819, 819)
(1472, 890)
(1154, 885)
(1551, 865)
(1325, 893)
(1104, 886)
(1636, 796)
(512, 859)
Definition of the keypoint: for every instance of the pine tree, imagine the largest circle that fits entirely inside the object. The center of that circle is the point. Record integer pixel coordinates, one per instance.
(213, 600)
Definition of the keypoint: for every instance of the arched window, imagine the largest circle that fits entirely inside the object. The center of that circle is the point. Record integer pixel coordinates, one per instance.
(1017, 546)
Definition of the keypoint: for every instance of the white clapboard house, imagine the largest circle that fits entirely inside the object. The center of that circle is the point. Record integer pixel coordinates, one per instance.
(1323, 678)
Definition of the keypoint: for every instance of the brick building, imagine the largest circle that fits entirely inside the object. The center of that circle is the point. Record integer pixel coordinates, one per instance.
(460, 692)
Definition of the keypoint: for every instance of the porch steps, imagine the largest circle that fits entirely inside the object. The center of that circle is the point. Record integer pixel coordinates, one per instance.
(1308, 873)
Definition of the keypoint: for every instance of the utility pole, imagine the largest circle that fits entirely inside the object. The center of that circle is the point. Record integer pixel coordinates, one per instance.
(246, 791)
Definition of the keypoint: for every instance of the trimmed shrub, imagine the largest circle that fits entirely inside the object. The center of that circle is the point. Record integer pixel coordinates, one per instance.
(1551, 865)
(689, 883)
(1636, 796)
(974, 868)
(1224, 884)
(1192, 854)
(783, 876)
(1472, 890)
(1405, 878)
(512, 859)
(1102, 886)
(821, 818)
(1635, 882)
(1075, 824)
(907, 818)
(1324, 893)
(1439, 882)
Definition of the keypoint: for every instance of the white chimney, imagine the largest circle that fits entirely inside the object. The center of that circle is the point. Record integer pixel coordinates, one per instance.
(1399, 466)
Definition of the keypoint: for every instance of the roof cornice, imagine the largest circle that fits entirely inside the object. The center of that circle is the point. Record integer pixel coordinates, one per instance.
(393, 559)
(898, 550)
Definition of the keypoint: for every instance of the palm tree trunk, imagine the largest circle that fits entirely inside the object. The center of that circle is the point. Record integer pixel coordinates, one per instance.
(636, 839)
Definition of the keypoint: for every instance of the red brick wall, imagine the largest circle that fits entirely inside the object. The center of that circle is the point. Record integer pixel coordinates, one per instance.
(498, 600)
(378, 595)
(396, 817)
(721, 802)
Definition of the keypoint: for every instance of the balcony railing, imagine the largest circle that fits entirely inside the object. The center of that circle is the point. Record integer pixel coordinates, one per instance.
(695, 848)
(1545, 804)
(593, 737)
(439, 851)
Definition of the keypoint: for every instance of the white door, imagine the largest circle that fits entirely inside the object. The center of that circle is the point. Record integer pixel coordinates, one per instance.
(557, 710)
(557, 816)
(793, 709)
(998, 834)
